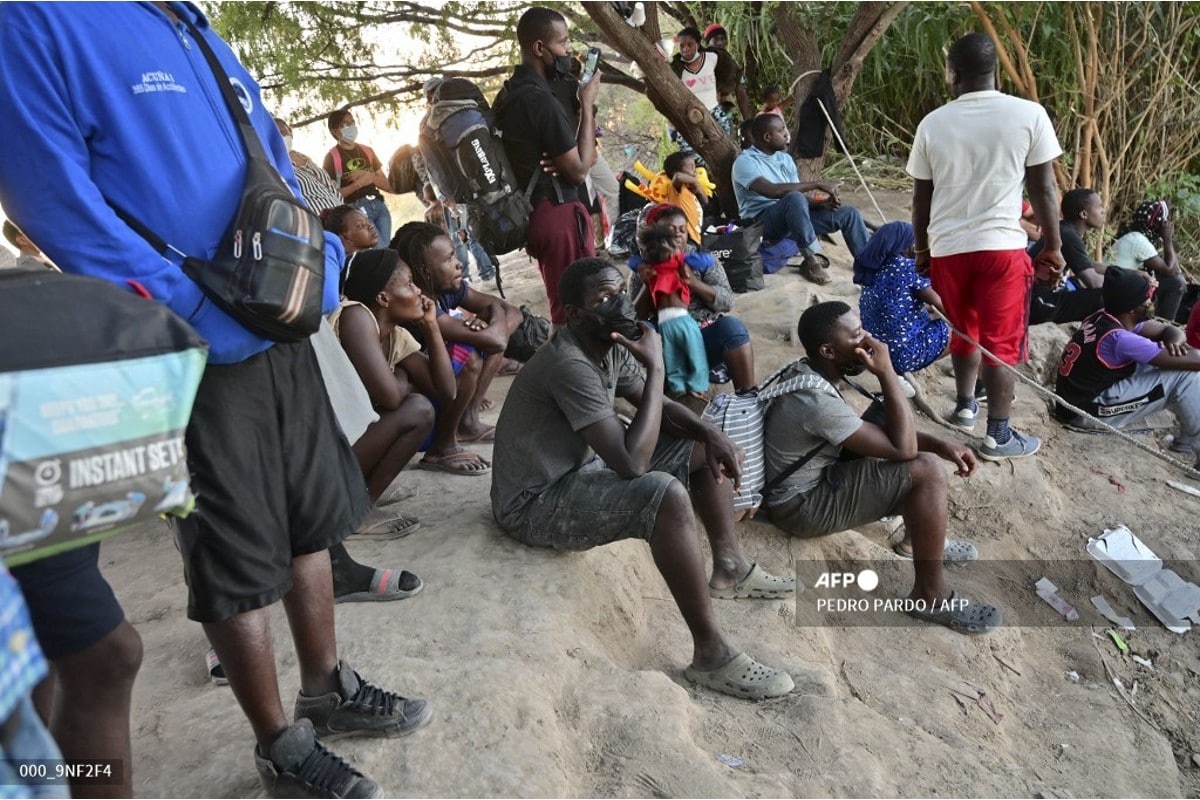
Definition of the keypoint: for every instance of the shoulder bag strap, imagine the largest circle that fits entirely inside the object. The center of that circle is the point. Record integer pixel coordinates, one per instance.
(250, 140)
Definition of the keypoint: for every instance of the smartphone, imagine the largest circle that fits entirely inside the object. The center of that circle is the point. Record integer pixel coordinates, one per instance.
(590, 62)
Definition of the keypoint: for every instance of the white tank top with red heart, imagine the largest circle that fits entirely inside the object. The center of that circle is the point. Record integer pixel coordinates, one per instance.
(703, 83)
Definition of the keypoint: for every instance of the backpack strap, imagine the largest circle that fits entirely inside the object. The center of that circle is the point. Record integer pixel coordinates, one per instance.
(767, 393)
(771, 485)
(336, 157)
(503, 99)
(786, 387)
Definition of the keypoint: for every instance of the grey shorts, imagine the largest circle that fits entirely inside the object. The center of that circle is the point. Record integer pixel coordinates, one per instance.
(850, 494)
(593, 505)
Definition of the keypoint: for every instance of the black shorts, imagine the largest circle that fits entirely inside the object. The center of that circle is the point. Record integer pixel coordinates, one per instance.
(274, 478)
(70, 603)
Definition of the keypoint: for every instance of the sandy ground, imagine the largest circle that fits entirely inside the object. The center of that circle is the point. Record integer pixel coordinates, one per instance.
(561, 674)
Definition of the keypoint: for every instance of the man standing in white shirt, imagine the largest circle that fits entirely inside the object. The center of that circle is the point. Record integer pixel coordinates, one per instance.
(969, 162)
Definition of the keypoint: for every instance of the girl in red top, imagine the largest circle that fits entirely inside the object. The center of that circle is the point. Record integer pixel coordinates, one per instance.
(683, 345)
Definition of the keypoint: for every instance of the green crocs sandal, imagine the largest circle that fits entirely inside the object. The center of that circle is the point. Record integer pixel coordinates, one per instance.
(743, 677)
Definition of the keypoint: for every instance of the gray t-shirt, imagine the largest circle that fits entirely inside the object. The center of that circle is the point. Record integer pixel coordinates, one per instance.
(558, 393)
(798, 422)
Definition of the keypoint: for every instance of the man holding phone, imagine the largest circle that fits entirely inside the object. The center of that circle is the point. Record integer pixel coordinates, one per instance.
(539, 137)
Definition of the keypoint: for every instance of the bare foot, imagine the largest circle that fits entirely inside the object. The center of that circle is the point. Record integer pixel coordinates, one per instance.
(482, 433)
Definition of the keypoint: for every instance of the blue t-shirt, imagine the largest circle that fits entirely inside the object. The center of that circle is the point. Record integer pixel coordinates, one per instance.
(448, 301)
(753, 164)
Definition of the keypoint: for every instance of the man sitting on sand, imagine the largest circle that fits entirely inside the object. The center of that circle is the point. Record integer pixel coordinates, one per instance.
(833, 470)
(1123, 365)
(569, 475)
(769, 190)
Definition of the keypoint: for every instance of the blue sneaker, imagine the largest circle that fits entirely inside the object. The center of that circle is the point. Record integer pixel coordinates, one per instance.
(1017, 447)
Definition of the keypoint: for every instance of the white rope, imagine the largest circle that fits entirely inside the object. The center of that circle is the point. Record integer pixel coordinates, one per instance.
(1160, 455)
(850, 158)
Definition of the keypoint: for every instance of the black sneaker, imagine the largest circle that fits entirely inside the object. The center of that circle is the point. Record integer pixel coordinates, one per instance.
(299, 766)
(360, 709)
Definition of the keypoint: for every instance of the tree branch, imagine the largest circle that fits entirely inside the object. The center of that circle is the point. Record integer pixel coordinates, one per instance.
(671, 98)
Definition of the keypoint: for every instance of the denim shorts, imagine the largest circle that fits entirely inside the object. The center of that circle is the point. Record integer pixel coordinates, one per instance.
(593, 505)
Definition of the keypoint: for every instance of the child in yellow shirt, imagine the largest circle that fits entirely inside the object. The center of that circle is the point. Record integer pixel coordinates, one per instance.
(686, 191)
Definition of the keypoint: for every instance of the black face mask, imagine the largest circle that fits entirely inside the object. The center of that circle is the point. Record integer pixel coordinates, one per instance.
(563, 65)
(614, 315)
(854, 368)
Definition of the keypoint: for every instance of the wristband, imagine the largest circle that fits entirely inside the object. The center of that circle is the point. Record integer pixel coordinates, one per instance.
(918, 252)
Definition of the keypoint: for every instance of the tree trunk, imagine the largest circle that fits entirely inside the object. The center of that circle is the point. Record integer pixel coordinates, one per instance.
(670, 97)
(801, 42)
(871, 20)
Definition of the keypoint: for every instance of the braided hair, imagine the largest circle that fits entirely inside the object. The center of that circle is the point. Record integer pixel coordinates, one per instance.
(411, 242)
(1147, 220)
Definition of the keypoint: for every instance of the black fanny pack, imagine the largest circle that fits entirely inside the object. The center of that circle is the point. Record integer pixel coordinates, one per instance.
(269, 270)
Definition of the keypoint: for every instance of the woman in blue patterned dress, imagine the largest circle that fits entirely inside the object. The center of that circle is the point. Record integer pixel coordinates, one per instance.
(894, 299)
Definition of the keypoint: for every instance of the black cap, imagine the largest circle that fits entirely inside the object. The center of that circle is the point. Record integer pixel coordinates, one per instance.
(1124, 290)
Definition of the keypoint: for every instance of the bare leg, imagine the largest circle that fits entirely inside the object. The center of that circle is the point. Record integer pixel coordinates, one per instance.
(740, 362)
(495, 362)
(390, 443)
(243, 643)
(1000, 385)
(90, 720)
(491, 366)
(714, 504)
(455, 417)
(966, 369)
(309, 608)
(677, 556)
(925, 526)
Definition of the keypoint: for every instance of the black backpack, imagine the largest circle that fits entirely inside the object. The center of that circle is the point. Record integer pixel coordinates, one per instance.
(465, 159)
(402, 173)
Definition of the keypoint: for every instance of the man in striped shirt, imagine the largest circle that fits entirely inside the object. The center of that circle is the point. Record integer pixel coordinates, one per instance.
(319, 190)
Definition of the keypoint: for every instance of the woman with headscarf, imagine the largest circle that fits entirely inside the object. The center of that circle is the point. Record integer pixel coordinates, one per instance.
(381, 298)
(1146, 243)
(894, 299)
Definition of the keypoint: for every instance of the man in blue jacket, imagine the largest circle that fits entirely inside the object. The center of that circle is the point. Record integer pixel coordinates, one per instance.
(135, 119)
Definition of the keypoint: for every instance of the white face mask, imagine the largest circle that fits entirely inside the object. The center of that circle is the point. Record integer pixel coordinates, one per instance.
(287, 142)
(350, 133)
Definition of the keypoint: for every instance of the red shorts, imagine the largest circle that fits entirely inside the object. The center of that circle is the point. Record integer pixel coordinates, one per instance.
(559, 235)
(986, 296)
